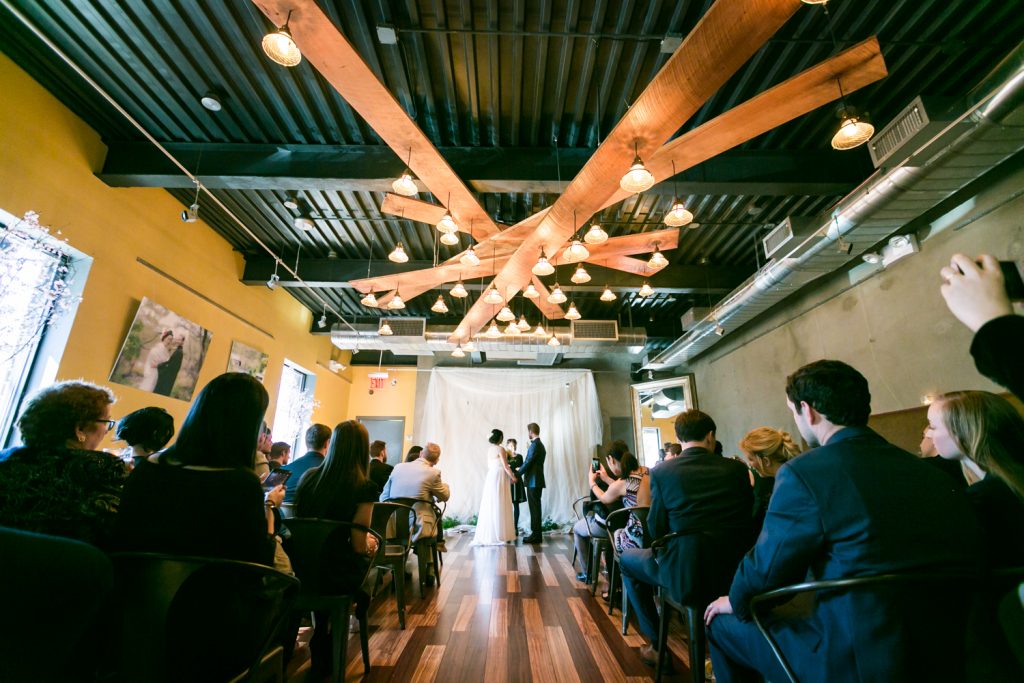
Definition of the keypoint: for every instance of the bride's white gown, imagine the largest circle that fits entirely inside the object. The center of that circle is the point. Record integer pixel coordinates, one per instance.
(494, 524)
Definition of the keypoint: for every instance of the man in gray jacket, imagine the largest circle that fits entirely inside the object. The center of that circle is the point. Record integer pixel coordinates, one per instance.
(419, 479)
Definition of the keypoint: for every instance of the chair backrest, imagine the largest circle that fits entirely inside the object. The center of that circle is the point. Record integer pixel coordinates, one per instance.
(56, 588)
(393, 521)
(577, 507)
(196, 618)
(420, 503)
(322, 556)
(702, 563)
(620, 518)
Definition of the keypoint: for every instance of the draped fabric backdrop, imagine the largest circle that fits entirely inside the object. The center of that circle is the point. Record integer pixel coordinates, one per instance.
(464, 405)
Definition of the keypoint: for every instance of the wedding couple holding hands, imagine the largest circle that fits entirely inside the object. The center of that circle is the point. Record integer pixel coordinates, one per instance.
(496, 522)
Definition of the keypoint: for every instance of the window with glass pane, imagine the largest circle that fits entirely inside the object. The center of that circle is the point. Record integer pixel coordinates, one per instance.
(33, 276)
(294, 407)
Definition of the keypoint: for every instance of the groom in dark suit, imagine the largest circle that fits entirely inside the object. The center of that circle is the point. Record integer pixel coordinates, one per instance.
(531, 473)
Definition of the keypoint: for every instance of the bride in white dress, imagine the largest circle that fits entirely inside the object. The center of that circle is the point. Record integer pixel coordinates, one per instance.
(494, 524)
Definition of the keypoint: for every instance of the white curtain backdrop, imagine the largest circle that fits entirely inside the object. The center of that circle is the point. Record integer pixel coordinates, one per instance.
(463, 406)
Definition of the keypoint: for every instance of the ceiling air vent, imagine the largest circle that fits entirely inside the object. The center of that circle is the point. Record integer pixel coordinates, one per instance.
(407, 328)
(595, 330)
(908, 131)
(792, 231)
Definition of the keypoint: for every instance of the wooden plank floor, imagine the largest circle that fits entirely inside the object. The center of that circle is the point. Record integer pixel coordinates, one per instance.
(512, 614)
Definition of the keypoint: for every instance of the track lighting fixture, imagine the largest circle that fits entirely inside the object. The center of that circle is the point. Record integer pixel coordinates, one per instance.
(439, 306)
(553, 341)
(459, 290)
(596, 234)
(384, 330)
(575, 252)
(505, 314)
(280, 46)
(522, 324)
(607, 294)
(470, 258)
(492, 297)
(458, 352)
(322, 322)
(370, 300)
(396, 302)
(530, 292)
(557, 296)
(404, 184)
(719, 330)
(540, 332)
(872, 258)
(493, 332)
(398, 255)
(513, 330)
(543, 266)
(572, 313)
(854, 129)
(580, 276)
(450, 238)
(645, 289)
(274, 278)
(657, 260)
(637, 178)
(191, 214)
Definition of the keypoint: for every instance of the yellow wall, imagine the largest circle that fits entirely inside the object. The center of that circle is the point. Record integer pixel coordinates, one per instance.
(391, 401)
(47, 160)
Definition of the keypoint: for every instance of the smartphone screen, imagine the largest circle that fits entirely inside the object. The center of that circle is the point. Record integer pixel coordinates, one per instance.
(595, 465)
(276, 477)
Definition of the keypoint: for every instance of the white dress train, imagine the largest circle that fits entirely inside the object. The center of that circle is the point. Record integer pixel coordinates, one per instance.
(494, 523)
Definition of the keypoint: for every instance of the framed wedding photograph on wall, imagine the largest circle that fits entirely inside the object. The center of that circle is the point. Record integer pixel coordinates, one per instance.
(246, 359)
(162, 352)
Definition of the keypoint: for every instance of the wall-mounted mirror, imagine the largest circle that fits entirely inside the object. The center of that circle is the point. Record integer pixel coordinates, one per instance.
(655, 407)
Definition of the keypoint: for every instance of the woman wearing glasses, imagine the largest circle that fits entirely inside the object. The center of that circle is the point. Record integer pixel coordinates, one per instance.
(57, 483)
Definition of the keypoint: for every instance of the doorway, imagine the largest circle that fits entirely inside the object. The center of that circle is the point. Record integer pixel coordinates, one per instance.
(390, 430)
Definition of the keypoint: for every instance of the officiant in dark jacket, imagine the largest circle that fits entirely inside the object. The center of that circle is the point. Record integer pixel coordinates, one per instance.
(515, 461)
(532, 475)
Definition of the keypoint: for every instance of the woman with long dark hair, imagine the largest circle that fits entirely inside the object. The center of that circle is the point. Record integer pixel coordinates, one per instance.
(201, 496)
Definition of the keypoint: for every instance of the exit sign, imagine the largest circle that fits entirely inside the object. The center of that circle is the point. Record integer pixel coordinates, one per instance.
(377, 382)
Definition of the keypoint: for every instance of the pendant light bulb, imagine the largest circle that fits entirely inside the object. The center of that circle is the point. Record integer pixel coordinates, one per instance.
(607, 294)
(581, 275)
(405, 185)
(543, 266)
(572, 313)
(450, 238)
(530, 292)
(540, 332)
(645, 289)
(493, 332)
(458, 352)
(396, 303)
(468, 345)
(385, 329)
(398, 255)
(553, 341)
(522, 324)
(459, 290)
(678, 215)
(596, 234)
(370, 300)
(505, 314)
(575, 252)
(280, 47)
(657, 260)
(447, 223)
(492, 297)
(513, 330)
(439, 306)
(470, 258)
(637, 178)
(557, 296)
(854, 129)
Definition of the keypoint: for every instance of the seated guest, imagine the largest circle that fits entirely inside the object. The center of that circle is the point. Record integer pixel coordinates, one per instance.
(263, 445)
(380, 470)
(696, 491)
(975, 293)
(626, 482)
(989, 431)
(674, 451)
(951, 466)
(280, 454)
(146, 431)
(413, 453)
(339, 490)
(766, 450)
(854, 505)
(201, 496)
(318, 437)
(419, 479)
(57, 483)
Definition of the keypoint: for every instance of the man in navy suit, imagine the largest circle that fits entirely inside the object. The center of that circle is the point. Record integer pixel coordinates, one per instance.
(318, 438)
(854, 505)
(531, 473)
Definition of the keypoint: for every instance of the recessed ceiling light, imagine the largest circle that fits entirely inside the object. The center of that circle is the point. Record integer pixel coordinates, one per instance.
(291, 201)
(211, 102)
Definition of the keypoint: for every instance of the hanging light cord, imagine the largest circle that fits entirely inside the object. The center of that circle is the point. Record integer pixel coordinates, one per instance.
(163, 150)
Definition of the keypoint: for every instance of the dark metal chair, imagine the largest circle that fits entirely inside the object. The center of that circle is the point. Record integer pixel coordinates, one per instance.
(428, 554)
(197, 618)
(618, 520)
(599, 544)
(312, 546)
(577, 506)
(393, 522)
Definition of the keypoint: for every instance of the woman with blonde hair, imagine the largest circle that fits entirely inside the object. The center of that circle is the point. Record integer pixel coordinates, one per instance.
(987, 430)
(766, 450)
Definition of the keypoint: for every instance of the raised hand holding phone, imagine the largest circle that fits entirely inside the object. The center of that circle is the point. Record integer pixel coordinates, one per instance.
(975, 291)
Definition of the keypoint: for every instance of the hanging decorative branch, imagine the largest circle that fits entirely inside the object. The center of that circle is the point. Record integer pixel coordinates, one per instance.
(35, 283)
